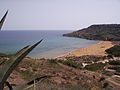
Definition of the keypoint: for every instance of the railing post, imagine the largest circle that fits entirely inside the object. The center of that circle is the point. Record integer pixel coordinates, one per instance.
(34, 85)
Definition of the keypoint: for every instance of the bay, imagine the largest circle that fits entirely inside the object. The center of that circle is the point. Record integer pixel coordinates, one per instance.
(53, 45)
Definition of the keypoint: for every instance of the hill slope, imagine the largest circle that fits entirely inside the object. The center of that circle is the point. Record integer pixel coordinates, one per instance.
(109, 32)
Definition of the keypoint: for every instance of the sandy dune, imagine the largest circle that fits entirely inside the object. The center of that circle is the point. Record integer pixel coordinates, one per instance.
(97, 49)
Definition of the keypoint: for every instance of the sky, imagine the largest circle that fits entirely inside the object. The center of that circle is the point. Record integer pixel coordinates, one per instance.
(58, 14)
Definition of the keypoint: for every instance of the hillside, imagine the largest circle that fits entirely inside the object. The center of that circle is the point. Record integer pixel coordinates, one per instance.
(64, 77)
(109, 32)
(67, 73)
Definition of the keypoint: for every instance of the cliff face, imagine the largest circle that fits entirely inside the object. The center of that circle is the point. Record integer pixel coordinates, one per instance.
(109, 32)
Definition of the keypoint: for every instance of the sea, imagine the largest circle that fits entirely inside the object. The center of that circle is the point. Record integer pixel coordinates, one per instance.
(54, 44)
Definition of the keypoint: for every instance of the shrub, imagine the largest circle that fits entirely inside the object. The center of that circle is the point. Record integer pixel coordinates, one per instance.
(115, 51)
(71, 63)
(5, 55)
(109, 56)
(114, 68)
(101, 79)
(105, 85)
(27, 74)
(114, 62)
(95, 66)
(52, 61)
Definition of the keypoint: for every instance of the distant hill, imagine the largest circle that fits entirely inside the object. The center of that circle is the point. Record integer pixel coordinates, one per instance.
(107, 32)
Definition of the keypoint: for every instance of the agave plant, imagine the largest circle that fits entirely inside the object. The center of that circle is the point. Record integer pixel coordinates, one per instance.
(11, 64)
(3, 19)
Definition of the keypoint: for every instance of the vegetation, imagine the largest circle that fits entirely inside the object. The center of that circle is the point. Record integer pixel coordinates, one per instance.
(5, 55)
(27, 74)
(109, 56)
(54, 61)
(63, 74)
(114, 62)
(95, 66)
(86, 58)
(115, 68)
(101, 79)
(105, 85)
(3, 19)
(110, 32)
(11, 64)
(71, 63)
(29, 70)
(66, 62)
(114, 51)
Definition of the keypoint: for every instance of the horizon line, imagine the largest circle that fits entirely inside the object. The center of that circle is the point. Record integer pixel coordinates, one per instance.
(37, 30)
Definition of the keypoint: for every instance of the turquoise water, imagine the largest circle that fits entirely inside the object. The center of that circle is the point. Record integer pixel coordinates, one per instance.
(53, 45)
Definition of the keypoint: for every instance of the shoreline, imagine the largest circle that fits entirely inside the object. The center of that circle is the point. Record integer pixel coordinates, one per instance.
(63, 55)
(96, 49)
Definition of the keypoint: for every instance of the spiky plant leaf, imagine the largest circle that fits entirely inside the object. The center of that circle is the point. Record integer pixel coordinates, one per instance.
(11, 64)
(3, 19)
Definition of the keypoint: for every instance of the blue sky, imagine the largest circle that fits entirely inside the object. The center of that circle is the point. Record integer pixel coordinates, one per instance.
(58, 14)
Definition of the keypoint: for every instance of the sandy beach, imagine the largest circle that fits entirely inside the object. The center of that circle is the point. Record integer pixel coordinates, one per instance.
(97, 49)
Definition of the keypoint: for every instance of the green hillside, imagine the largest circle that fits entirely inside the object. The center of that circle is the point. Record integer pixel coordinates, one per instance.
(107, 32)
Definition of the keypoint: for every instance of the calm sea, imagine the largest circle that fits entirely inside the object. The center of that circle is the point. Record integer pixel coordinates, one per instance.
(53, 45)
